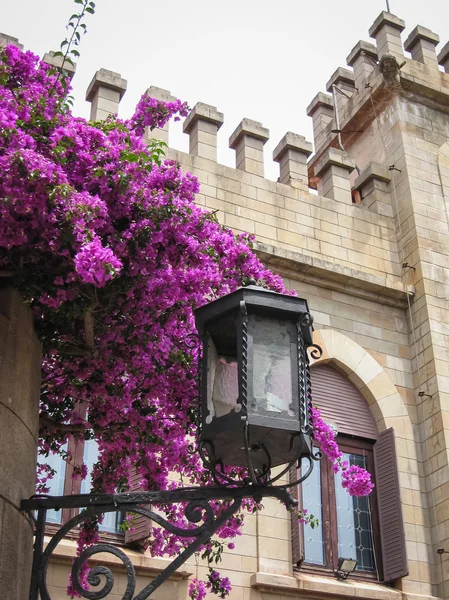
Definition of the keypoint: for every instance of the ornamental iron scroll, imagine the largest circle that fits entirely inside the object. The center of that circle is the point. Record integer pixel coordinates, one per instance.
(201, 524)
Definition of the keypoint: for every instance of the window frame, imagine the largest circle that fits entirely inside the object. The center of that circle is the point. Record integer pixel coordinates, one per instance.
(72, 487)
(352, 445)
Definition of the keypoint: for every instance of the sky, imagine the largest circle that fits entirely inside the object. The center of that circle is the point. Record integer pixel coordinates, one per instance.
(264, 60)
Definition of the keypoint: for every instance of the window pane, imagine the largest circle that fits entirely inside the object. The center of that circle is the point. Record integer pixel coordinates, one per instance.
(56, 484)
(111, 521)
(355, 539)
(311, 500)
(272, 365)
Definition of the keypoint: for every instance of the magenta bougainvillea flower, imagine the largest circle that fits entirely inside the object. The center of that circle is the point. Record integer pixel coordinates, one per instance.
(103, 239)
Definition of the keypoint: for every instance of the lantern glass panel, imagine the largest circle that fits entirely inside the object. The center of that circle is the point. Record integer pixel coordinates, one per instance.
(222, 383)
(272, 365)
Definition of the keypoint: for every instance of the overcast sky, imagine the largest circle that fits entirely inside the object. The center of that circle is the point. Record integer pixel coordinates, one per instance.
(262, 59)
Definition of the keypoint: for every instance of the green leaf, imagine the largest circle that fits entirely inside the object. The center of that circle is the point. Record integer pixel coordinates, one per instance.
(58, 53)
(78, 1)
(75, 53)
(64, 43)
(90, 10)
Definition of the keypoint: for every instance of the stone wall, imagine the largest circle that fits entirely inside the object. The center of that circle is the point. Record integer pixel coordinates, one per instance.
(20, 362)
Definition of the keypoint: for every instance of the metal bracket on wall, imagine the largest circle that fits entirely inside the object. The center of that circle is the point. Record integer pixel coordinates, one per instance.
(201, 523)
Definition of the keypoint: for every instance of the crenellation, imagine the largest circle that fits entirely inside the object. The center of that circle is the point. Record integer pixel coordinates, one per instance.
(248, 141)
(343, 81)
(321, 109)
(386, 30)
(202, 125)
(443, 57)
(6, 40)
(421, 44)
(292, 153)
(159, 133)
(363, 60)
(58, 61)
(373, 185)
(105, 91)
(333, 169)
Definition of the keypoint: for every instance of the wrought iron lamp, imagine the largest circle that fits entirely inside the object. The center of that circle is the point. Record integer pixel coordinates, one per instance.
(254, 413)
(255, 384)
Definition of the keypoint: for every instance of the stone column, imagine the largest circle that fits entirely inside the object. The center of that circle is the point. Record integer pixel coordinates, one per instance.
(248, 141)
(373, 185)
(292, 153)
(363, 59)
(421, 44)
(202, 125)
(56, 62)
(386, 30)
(344, 80)
(443, 57)
(6, 40)
(162, 133)
(105, 91)
(20, 369)
(333, 169)
(321, 109)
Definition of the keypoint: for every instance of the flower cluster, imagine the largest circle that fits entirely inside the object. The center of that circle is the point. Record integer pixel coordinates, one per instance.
(356, 480)
(197, 589)
(221, 586)
(102, 238)
(104, 241)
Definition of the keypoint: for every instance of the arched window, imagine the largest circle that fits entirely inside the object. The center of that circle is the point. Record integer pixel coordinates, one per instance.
(369, 530)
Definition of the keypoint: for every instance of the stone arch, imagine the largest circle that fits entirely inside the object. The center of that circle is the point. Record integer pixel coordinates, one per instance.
(389, 410)
(382, 396)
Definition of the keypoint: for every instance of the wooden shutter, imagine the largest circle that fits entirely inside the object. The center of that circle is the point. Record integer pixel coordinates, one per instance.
(394, 557)
(341, 403)
(297, 532)
(141, 527)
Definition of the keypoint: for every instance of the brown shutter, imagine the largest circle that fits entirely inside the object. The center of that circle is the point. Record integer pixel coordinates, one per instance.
(394, 557)
(341, 403)
(141, 526)
(297, 533)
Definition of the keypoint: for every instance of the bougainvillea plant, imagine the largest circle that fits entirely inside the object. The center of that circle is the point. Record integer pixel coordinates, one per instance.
(101, 236)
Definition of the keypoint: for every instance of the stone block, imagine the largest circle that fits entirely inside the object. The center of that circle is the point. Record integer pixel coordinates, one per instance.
(6, 40)
(203, 113)
(421, 44)
(16, 551)
(387, 29)
(443, 57)
(320, 100)
(386, 19)
(248, 140)
(57, 62)
(250, 129)
(107, 79)
(20, 361)
(341, 77)
(104, 106)
(291, 153)
(362, 48)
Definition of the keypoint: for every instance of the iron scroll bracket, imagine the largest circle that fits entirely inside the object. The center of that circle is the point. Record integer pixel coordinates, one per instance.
(201, 524)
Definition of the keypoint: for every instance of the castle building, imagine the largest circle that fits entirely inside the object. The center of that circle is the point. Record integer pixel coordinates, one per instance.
(358, 225)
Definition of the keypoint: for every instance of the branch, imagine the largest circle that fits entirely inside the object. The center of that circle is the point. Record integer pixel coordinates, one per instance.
(46, 422)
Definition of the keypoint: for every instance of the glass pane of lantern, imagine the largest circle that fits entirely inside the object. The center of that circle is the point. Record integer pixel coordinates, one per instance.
(222, 383)
(272, 369)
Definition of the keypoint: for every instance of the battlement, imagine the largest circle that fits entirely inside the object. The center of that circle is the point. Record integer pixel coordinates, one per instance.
(374, 73)
(349, 228)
